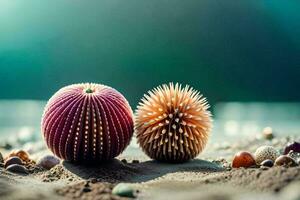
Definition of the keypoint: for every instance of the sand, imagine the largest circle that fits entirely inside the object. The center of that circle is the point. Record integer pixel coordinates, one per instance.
(207, 177)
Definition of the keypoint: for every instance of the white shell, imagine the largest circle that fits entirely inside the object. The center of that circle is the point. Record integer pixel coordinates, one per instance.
(264, 153)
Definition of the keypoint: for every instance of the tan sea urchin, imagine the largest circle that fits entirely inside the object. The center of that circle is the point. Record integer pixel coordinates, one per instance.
(173, 123)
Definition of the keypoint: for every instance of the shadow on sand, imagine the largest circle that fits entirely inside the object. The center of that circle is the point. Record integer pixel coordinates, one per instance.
(117, 171)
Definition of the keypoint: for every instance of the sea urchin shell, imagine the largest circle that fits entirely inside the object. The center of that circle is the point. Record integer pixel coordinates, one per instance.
(265, 153)
(87, 122)
(173, 123)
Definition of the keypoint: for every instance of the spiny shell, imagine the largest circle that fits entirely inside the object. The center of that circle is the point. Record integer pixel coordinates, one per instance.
(48, 161)
(243, 159)
(87, 122)
(265, 153)
(13, 160)
(173, 123)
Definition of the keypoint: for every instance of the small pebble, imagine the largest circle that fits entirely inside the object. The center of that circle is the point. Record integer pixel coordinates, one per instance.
(286, 161)
(268, 133)
(243, 159)
(16, 168)
(13, 160)
(265, 153)
(86, 189)
(124, 190)
(93, 180)
(135, 161)
(267, 163)
(48, 162)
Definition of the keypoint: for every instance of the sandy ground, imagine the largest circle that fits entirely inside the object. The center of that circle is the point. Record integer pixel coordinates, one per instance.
(207, 177)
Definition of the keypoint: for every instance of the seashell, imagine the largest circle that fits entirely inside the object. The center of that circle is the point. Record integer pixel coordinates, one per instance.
(243, 159)
(173, 123)
(295, 147)
(267, 163)
(48, 161)
(13, 160)
(16, 168)
(265, 153)
(87, 122)
(124, 190)
(23, 155)
(285, 160)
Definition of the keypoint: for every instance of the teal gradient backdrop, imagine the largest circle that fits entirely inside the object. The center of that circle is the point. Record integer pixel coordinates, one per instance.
(230, 50)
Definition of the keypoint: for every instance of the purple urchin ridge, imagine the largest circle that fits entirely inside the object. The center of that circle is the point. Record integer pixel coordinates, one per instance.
(87, 122)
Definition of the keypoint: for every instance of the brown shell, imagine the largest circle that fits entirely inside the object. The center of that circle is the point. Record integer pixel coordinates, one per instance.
(23, 155)
(243, 159)
(13, 160)
(285, 160)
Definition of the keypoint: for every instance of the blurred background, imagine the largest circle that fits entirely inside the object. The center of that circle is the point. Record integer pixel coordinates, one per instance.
(244, 56)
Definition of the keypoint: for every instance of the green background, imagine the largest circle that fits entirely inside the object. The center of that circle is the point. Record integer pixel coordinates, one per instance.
(230, 50)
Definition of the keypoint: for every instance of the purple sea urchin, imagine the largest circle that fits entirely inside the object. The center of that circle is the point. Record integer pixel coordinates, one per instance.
(87, 122)
(173, 123)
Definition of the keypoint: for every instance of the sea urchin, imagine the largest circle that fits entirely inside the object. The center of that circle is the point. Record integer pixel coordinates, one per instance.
(173, 123)
(87, 122)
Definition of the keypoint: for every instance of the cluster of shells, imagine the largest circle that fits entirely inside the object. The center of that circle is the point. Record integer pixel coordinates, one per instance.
(19, 161)
(268, 156)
